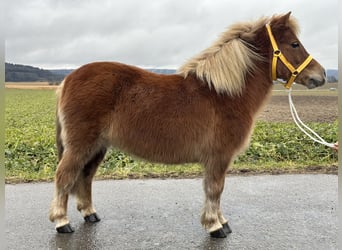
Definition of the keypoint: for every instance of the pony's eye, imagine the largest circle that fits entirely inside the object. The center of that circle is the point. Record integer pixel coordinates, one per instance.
(295, 45)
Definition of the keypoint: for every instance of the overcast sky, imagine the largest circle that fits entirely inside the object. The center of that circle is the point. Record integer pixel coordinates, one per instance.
(149, 33)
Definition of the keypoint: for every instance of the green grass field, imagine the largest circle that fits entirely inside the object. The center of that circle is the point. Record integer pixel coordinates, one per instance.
(30, 150)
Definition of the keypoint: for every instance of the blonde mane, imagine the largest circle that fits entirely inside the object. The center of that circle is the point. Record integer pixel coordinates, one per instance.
(225, 64)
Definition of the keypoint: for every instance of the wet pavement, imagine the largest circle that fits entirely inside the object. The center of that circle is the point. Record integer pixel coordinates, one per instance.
(264, 212)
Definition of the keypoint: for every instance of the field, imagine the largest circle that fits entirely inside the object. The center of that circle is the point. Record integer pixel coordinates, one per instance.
(277, 145)
(310, 109)
(30, 85)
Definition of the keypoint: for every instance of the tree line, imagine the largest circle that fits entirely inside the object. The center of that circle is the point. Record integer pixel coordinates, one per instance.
(24, 73)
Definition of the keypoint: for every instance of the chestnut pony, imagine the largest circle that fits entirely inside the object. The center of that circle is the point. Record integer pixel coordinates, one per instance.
(203, 114)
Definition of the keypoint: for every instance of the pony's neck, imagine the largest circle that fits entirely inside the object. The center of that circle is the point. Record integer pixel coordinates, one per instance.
(257, 89)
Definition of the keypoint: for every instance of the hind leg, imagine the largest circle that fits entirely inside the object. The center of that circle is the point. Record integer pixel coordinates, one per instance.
(83, 187)
(212, 218)
(67, 173)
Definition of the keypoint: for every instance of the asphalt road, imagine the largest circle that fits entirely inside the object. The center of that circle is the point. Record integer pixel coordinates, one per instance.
(265, 212)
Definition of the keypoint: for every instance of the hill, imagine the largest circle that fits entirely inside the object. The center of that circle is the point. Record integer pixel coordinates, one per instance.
(332, 75)
(163, 71)
(24, 73)
(61, 72)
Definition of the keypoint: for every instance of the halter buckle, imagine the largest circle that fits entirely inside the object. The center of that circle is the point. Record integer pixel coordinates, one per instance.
(277, 53)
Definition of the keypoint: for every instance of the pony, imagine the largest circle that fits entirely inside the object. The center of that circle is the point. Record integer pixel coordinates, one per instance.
(204, 113)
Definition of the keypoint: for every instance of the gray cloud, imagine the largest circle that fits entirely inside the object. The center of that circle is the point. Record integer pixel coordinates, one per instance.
(164, 33)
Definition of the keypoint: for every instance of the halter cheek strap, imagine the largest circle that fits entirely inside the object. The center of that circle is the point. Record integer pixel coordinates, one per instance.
(278, 55)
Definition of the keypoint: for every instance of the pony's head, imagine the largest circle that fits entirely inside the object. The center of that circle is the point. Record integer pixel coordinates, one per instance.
(289, 59)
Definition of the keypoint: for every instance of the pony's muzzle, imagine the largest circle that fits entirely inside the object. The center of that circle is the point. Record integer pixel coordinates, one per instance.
(315, 78)
(316, 82)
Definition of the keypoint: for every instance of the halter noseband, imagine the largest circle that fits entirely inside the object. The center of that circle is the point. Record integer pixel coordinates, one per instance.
(277, 54)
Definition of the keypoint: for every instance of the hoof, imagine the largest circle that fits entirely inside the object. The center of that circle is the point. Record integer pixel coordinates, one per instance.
(66, 229)
(92, 218)
(226, 228)
(218, 233)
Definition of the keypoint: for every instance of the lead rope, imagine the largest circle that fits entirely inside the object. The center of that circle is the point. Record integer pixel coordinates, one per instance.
(305, 129)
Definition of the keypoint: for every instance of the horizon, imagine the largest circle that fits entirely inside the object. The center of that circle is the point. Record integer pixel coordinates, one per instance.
(143, 67)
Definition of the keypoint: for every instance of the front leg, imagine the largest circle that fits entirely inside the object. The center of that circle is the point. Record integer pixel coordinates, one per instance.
(212, 218)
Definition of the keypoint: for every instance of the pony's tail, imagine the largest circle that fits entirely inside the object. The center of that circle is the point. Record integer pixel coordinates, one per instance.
(59, 141)
(60, 148)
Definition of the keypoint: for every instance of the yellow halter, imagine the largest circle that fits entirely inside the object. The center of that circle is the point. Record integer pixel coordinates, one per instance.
(277, 54)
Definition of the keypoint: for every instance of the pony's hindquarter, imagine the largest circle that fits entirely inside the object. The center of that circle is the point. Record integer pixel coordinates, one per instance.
(80, 151)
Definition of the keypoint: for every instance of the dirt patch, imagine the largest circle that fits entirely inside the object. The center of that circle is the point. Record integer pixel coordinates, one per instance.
(20, 86)
(309, 108)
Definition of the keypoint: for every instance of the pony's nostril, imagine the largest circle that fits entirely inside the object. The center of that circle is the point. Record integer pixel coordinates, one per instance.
(313, 83)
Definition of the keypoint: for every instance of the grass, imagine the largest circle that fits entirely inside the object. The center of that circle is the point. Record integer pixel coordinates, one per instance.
(30, 150)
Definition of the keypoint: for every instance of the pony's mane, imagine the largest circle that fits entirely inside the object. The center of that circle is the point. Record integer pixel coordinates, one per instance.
(225, 64)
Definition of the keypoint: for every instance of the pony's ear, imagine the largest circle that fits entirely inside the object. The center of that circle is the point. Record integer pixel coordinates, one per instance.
(286, 18)
(283, 20)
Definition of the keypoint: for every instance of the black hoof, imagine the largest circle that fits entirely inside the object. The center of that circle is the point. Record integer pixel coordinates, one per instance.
(66, 229)
(92, 218)
(218, 233)
(226, 228)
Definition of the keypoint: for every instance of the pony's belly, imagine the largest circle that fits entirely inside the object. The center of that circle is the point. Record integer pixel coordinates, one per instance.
(159, 152)
(156, 140)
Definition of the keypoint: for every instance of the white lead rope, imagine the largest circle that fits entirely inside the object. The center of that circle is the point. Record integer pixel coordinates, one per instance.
(308, 131)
